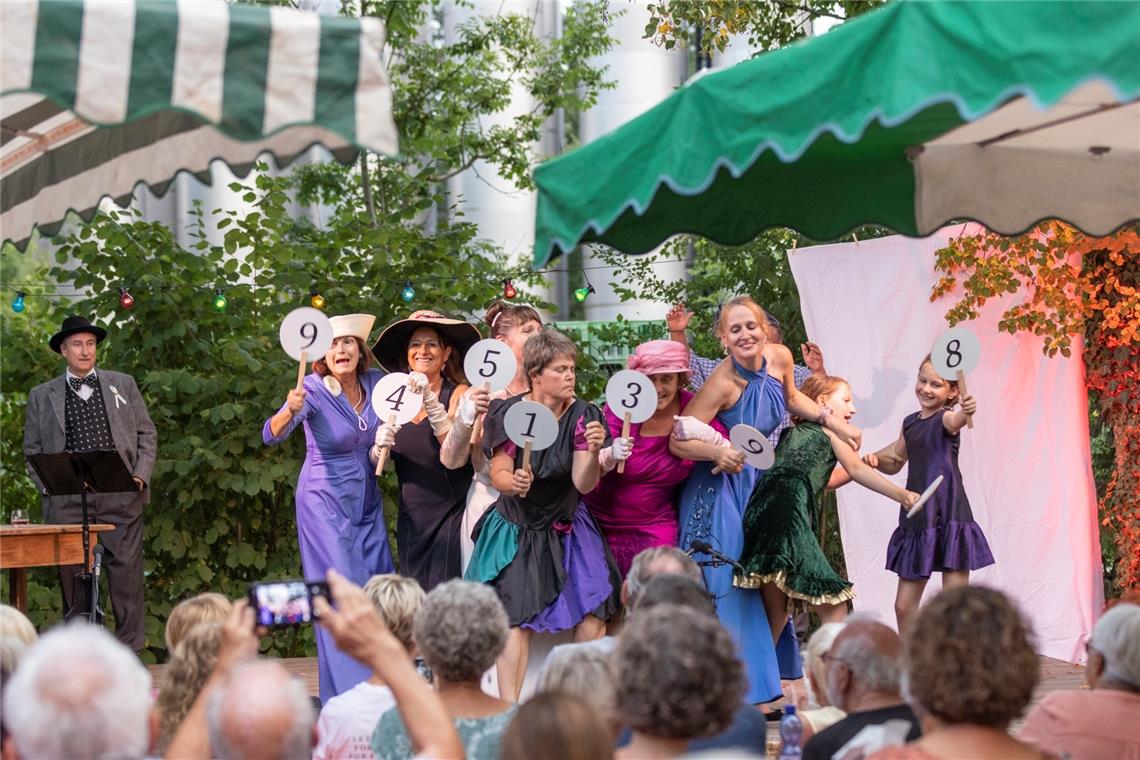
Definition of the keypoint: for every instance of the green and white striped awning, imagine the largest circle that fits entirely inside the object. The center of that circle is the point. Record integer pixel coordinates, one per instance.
(100, 95)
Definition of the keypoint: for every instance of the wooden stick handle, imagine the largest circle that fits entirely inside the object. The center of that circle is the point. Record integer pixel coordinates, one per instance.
(625, 423)
(301, 370)
(526, 455)
(383, 458)
(963, 392)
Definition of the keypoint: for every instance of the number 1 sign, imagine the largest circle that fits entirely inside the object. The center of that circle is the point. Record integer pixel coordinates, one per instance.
(394, 402)
(955, 353)
(305, 333)
(531, 425)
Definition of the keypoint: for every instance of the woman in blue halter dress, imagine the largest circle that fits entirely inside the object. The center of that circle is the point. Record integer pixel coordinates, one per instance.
(753, 386)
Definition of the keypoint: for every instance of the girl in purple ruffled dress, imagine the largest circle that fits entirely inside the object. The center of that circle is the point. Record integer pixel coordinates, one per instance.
(943, 536)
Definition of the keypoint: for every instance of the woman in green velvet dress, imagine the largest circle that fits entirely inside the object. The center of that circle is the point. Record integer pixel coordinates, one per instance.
(782, 556)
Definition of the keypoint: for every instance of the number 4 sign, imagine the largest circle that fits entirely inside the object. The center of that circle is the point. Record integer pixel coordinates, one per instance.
(955, 353)
(394, 402)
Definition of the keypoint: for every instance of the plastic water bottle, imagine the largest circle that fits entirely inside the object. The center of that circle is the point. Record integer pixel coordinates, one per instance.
(791, 729)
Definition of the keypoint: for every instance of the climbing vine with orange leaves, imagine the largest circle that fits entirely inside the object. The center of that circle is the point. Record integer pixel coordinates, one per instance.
(1077, 286)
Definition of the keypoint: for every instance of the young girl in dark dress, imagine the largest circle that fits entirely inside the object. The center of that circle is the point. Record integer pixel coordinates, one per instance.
(943, 537)
(538, 546)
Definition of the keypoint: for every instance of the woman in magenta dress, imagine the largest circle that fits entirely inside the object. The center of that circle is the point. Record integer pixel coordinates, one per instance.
(637, 509)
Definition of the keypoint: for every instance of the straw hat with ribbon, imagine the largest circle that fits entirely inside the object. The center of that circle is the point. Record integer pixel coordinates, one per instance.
(356, 325)
(391, 347)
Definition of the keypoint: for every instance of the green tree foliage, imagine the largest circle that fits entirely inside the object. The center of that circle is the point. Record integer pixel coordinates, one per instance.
(222, 512)
(764, 24)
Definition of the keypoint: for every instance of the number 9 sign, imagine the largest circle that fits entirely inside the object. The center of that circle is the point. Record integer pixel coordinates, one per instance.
(306, 333)
(490, 363)
(756, 447)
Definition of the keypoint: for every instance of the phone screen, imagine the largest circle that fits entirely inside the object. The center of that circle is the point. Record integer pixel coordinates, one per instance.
(283, 603)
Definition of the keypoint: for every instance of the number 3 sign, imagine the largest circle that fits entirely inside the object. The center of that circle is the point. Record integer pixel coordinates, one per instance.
(631, 396)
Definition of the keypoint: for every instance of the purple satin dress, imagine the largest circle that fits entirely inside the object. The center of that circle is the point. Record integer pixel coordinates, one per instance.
(340, 517)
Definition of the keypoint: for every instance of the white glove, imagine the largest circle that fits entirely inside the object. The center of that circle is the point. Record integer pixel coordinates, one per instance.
(618, 451)
(418, 384)
(436, 413)
(386, 435)
(691, 429)
(466, 411)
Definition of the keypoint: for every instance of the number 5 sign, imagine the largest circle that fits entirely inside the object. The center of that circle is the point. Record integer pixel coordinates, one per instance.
(394, 402)
(491, 364)
(955, 353)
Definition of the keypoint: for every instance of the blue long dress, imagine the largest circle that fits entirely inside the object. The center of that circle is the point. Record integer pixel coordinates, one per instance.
(712, 510)
(340, 517)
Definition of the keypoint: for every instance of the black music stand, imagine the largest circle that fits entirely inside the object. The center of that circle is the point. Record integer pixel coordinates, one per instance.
(71, 473)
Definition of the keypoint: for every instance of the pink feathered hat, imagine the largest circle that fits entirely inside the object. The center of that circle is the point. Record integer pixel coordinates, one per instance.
(657, 357)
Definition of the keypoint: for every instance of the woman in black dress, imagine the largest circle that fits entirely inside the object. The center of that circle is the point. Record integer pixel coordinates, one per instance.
(432, 498)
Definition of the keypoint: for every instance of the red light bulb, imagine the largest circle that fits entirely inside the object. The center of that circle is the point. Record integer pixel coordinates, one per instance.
(126, 300)
(509, 291)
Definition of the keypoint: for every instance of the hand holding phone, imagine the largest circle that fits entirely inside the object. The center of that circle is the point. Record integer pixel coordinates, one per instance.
(278, 604)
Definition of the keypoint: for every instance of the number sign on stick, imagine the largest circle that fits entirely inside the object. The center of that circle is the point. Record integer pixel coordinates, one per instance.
(305, 333)
(531, 425)
(955, 353)
(758, 450)
(395, 403)
(631, 396)
(930, 489)
(490, 363)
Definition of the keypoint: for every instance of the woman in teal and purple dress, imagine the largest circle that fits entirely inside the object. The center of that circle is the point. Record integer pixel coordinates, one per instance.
(538, 546)
(753, 386)
(340, 518)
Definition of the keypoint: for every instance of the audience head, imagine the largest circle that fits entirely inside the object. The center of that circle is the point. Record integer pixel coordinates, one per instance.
(78, 692)
(1114, 649)
(210, 607)
(865, 659)
(555, 725)
(585, 672)
(460, 630)
(397, 598)
(261, 713)
(659, 560)
(815, 669)
(969, 659)
(678, 675)
(15, 624)
(675, 589)
(186, 673)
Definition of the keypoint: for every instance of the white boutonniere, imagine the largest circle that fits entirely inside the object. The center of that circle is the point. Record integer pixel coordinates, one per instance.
(119, 400)
(333, 385)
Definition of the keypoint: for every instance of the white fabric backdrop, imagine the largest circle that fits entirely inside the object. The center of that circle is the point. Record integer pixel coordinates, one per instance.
(1026, 464)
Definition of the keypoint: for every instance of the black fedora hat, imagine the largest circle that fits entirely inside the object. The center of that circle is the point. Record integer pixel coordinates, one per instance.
(72, 325)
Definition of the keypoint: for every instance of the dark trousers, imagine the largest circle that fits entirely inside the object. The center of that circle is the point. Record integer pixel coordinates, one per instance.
(122, 569)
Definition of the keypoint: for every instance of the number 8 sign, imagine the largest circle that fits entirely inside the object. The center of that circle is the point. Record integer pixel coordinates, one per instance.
(955, 353)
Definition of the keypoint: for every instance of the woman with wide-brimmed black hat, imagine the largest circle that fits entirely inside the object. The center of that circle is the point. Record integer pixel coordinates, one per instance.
(431, 348)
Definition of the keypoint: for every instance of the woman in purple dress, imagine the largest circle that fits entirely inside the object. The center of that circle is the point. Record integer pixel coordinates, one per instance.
(538, 546)
(943, 537)
(340, 519)
(637, 509)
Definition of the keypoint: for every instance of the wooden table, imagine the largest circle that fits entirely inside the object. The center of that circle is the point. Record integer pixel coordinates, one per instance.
(24, 546)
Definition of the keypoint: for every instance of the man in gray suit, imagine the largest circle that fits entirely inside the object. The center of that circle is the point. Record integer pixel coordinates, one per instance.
(85, 410)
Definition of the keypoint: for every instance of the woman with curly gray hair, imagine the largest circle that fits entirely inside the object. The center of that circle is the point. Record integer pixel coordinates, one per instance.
(678, 678)
(460, 630)
(970, 670)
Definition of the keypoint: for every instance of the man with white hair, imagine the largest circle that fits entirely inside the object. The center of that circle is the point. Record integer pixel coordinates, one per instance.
(261, 712)
(78, 693)
(1099, 722)
(863, 668)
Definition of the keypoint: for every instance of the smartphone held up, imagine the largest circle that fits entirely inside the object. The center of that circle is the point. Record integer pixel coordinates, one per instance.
(285, 603)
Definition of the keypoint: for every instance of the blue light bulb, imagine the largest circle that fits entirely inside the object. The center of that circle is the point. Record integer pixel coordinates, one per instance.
(408, 293)
(18, 303)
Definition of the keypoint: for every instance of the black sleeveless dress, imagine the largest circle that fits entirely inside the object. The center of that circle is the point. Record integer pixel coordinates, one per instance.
(432, 499)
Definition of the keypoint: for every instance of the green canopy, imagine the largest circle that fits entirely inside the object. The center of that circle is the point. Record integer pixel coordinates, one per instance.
(908, 117)
(96, 97)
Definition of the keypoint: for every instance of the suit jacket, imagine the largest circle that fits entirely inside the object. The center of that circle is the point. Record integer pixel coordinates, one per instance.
(131, 427)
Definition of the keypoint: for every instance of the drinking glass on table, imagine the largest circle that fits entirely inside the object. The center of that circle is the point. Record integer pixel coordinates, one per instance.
(19, 517)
